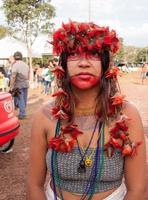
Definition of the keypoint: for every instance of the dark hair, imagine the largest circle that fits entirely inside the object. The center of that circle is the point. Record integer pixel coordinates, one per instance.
(18, 55)
(2, 70)
(107, 88)
(55, 59)
(45, 66)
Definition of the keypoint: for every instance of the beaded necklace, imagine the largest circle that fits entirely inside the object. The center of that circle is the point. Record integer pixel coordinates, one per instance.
(82, 166)
(96, 169)
(54, 166)
(99, 169)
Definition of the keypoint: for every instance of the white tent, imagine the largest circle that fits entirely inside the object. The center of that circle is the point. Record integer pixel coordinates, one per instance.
(42, 45)
(9, 45)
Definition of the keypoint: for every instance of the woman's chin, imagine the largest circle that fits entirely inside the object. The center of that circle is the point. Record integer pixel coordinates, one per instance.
(84, 84)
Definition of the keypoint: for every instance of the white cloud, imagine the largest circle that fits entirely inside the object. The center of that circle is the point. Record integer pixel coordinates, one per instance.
(138, 34)
(128, 18)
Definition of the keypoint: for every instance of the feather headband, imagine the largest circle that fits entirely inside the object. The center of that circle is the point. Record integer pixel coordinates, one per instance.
(76, 37)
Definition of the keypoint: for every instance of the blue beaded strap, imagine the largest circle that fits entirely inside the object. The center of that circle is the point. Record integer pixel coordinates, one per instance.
(54, 165)
(97, 167)
(93, 175)
(100, 169)
(90, 188)
(53, 174)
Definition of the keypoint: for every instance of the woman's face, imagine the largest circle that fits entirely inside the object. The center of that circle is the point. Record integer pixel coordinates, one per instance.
(84, 70)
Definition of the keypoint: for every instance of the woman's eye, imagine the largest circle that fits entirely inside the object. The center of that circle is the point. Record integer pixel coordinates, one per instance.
(74, 54)
(95, 55)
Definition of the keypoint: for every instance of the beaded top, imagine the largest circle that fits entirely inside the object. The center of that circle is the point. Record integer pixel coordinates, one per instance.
(74, 182)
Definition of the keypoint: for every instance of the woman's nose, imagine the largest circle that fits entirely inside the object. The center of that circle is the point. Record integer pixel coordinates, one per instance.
(83, 62)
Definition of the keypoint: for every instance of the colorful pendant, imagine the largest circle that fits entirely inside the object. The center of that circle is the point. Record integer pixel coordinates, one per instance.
(88, 162)
(82, 168)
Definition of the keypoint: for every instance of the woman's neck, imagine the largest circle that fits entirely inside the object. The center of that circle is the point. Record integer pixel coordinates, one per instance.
(85, 98)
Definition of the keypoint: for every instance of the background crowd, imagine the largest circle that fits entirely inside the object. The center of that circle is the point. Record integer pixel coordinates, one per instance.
(43, 78)
(16, 79)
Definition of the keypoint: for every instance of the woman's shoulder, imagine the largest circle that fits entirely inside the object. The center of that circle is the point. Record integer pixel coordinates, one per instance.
(45, 112)
(134, 121)
(130, 109)
(47, 109)
(43, 123)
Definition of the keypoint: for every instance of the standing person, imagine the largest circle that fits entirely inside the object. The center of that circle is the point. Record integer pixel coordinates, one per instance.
(92, 138)
(55, 61)
(144, 70)
(40, 79)
(52, 65)
(1, 81)
(11, 62)
(46, 74)
(9, 73)
(20, 80)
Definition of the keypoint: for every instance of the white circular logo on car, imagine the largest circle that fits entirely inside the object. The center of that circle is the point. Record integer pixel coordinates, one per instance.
(8, 106)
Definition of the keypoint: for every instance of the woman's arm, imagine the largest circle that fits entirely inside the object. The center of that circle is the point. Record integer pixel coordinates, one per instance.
(37, 161)
(135, 167)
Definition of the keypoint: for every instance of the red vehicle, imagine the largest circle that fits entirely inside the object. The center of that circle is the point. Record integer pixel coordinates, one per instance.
(9, 123)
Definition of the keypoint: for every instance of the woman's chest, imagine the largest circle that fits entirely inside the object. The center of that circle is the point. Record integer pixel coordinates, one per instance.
(89, 135)
(68, 165)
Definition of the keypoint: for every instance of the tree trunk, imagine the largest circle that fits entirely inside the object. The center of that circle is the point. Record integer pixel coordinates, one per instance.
(30, 65)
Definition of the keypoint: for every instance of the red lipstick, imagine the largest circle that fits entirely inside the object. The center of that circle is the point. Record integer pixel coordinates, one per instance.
(85, 75)
(84, 80)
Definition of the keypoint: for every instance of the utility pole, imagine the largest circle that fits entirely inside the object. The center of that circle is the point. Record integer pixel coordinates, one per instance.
(89, 10)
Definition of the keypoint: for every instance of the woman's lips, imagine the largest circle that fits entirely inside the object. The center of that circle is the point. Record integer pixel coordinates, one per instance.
(84, 80)
(84, 76)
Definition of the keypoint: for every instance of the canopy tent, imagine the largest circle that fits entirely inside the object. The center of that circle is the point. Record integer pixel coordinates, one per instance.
(42, 45)
(9, 45)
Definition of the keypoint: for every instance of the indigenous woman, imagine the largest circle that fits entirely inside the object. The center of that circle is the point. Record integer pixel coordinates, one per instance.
(89, 137)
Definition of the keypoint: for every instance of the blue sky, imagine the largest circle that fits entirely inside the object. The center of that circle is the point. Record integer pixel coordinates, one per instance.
(128, 17)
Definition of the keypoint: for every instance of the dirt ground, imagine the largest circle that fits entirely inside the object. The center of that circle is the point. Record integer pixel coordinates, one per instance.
(13, 166)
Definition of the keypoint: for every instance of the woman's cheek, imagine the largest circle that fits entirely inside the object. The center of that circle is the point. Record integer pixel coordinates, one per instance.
(83, 82)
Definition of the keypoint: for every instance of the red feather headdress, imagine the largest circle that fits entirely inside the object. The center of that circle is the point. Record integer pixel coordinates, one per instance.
(79, 37)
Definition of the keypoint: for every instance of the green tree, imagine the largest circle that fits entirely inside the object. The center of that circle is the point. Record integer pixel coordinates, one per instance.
(29, 18)
(120, 55)
(131, 53)
(142, 55)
